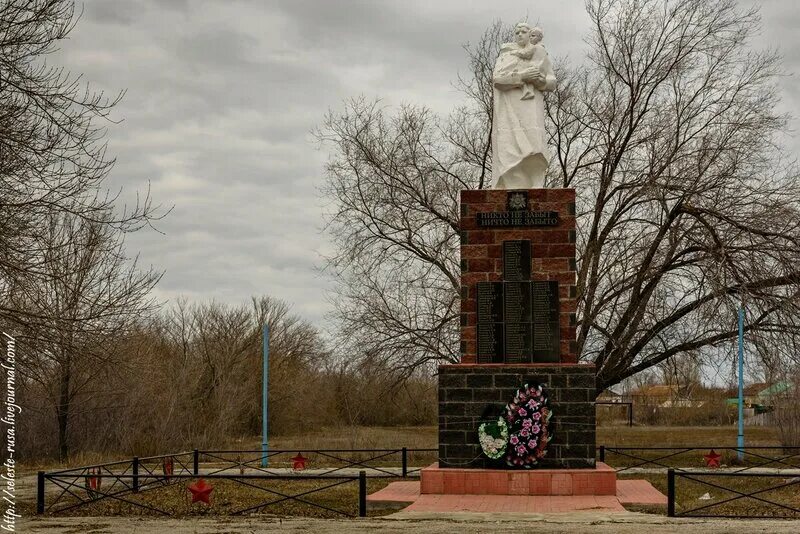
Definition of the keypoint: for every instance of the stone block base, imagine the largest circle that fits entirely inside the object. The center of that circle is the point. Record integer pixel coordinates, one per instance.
(600, 480)
(473, 393)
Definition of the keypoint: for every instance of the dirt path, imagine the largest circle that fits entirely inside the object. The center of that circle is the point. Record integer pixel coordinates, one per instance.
(404, 522)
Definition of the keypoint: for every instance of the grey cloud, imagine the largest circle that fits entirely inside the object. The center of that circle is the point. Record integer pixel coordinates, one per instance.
(222, 96)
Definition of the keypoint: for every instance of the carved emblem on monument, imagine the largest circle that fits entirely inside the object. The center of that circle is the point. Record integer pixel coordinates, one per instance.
(517, 200)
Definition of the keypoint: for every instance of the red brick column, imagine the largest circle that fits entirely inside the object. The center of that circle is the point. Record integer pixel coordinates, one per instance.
(552, 258)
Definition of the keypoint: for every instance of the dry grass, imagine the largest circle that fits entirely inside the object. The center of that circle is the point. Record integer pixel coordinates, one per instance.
(688, 493)
(683, 436)
(360, 437)
(338, 437)
(705, 438)
(229, 497)
(354, 437)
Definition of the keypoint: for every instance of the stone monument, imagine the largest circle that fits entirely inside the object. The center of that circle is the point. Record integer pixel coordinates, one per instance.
(518, 305)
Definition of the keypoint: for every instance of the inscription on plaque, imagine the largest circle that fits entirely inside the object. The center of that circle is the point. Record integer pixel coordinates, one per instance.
(490, 321)
(517, 319)
(490, 302)
(518, 342)
(517, 218)
(516, 260)
(546, 334)
(517, 302)
(491, 342)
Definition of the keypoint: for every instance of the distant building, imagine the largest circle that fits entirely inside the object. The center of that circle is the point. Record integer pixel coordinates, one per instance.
(609, 395)
(760, 396)
(665, 396)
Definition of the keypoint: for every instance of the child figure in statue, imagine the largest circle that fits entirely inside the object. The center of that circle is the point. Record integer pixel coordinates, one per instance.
(526, 53)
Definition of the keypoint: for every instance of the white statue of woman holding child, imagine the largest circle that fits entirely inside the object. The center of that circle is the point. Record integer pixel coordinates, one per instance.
(519, 144)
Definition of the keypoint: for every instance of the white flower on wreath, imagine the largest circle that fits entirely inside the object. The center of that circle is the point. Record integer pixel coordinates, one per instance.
(493, 447)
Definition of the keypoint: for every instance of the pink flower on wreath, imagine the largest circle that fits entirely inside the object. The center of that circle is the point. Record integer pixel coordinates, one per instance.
(514, 440)
(532, 444)
(521, 449)
(532, 404)
(536, 429)
(527, 423)
(522, 412)
(536, 415)
(524, 432)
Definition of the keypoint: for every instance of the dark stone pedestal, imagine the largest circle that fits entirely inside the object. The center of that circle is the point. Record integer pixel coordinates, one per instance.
(472, 393)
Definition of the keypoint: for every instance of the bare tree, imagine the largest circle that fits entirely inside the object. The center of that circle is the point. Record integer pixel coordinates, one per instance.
(672, 140)
(53, 158)
(202, 369)
(669, 133)
(94, 297)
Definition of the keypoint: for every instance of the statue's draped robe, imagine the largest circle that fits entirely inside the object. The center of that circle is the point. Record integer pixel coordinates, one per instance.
(518, 135)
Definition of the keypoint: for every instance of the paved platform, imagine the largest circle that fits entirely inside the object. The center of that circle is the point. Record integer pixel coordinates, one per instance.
(406, 496)
(639, 492)
(598, 480)
(515, 503)
(395, 496)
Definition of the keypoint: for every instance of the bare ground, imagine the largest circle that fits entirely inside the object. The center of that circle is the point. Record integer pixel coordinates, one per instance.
(403, 522)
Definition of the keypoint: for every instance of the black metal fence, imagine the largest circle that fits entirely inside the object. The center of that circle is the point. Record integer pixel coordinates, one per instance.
(377, 462)
(628, 408)
(625, 458)
(122, 481)
(747, 488)
(744, 501)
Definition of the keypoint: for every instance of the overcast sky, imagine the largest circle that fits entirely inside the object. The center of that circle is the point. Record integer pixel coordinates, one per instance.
(222, 96)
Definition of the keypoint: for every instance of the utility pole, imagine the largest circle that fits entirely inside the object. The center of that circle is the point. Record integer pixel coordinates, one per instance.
(740, 436)
(264, 398)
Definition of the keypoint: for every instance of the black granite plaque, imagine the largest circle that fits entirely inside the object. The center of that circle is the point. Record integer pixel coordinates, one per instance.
(489, 318)
(518, 342)
(517, 302)
(490, 302)
(517, 260)
(490, 343)
(517, 218)
(546, 333)
(517, 319)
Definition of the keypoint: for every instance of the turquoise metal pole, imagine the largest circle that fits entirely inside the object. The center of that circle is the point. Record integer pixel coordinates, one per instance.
(740, 436)
(264, 399)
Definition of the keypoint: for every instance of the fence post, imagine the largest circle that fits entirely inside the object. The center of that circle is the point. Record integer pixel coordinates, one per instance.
(602, 453)
(630, 414)
(405, 462)
(196, 462)
(135, 473)
(362, 494)
(670, 492)
(40, 492)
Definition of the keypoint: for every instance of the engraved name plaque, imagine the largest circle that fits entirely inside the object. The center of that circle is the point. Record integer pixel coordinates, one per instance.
(517, 319)
(517, 260)
(546, 334)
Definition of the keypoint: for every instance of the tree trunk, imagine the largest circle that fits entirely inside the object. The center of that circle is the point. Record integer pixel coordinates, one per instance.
(62, 412)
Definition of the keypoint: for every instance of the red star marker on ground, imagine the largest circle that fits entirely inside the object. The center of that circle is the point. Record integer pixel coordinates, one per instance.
(299, 462)
(201, 492)
(712, 459)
